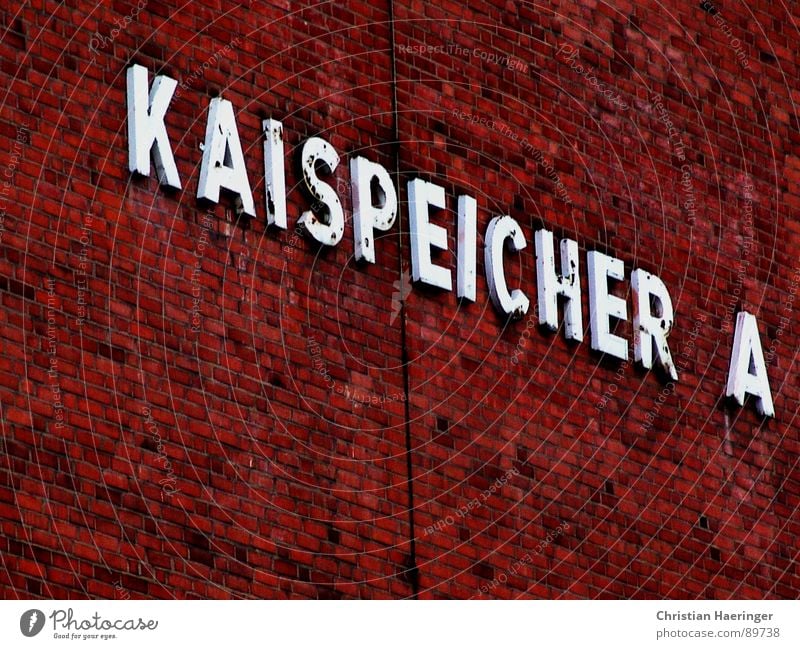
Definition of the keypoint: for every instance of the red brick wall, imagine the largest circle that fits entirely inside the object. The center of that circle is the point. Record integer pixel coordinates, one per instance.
(142, 458)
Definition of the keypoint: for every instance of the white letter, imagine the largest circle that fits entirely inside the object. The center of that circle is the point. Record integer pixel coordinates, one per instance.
(550, 286)
(274, 174)
(369, 179)
(747, 372)
(147, 132)
(649, 328)
(500, 230)
(329, 227)
(602, 305)
(467, 243)
(425, 234)
(223, 163)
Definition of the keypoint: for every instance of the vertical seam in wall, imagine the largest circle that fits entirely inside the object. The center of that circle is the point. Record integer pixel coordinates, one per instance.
(411, 573)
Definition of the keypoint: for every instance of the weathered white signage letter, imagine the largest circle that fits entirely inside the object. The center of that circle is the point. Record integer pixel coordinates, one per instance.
(550, 286)
(504, 229)
(223, 164)
(274, 173)
(147, 132)
(467, 244)
(650, 330)
(328, 228)
(374, 205)
(424, 234)
(747, 373)
(603, 305)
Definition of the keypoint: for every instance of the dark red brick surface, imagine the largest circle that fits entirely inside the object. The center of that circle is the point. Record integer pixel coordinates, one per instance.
(142, 458)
